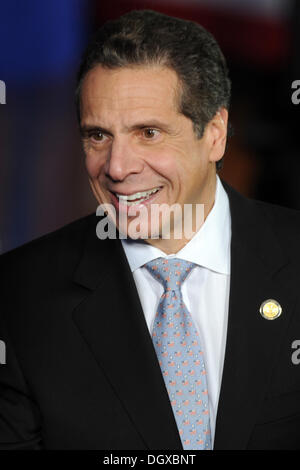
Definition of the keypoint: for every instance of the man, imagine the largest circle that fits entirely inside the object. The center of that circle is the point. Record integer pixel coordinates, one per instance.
(153, 342)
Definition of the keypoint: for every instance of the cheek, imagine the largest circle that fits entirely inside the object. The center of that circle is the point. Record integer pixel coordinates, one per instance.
(164, 162)
(94, 163)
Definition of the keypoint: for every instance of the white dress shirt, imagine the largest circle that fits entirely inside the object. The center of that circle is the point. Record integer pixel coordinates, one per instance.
(205, 291)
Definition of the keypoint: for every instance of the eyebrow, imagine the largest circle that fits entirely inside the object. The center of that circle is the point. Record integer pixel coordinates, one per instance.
(153, 123)
(86, 129)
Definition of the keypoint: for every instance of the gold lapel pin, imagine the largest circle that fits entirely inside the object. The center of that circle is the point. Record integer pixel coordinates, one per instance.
(270, 309)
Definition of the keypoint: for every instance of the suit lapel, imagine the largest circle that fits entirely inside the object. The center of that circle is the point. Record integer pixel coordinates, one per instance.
(258, 272)
(112, 322)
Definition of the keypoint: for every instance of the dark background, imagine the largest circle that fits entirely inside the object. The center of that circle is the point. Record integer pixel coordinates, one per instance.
(43, 183)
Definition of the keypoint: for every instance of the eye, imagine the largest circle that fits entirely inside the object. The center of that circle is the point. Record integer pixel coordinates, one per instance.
(150, 133)
(97, 136)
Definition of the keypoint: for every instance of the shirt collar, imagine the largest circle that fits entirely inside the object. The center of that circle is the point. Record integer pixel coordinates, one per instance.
(209, 247)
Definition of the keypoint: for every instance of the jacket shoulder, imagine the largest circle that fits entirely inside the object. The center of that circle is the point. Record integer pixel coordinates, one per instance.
(285, 221)
(283, 218)
(46, 250)
(261, 221)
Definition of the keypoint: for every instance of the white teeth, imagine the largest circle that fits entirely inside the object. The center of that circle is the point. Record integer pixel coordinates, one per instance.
(141, 196)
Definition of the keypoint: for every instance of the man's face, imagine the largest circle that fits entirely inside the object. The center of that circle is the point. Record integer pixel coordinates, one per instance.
(135, 140)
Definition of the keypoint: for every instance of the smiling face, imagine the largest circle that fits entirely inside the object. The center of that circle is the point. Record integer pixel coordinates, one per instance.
(135, 140)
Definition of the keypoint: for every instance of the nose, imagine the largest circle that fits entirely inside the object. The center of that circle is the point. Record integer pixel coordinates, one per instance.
(122, 160)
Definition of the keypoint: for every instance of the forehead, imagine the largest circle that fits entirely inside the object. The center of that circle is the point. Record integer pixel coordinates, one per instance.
(129, 90)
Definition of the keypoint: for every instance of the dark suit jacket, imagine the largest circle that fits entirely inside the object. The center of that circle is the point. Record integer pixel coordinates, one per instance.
(81, 371)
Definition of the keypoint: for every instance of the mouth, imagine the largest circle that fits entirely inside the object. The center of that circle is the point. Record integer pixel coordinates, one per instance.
(136, 198)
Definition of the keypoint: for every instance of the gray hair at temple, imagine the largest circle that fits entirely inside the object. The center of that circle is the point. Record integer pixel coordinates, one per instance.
(145, 37)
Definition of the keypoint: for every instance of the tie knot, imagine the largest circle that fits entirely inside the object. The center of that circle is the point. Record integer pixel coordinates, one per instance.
(170, 272)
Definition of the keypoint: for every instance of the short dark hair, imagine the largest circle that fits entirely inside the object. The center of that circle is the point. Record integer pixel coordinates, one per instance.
(146, 37)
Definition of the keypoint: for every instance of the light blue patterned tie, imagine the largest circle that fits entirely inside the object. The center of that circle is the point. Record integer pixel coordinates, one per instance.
(177, 345)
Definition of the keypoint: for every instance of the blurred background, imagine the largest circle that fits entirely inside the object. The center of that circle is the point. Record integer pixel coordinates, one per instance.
(43, 183)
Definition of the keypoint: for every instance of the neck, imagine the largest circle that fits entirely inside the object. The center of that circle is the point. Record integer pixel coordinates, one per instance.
(173, 245)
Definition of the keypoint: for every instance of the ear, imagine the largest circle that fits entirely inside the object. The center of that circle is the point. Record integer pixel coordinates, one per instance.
(217, 133)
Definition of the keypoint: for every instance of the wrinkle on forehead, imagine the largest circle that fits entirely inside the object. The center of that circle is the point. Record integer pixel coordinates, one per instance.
(130, 89)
